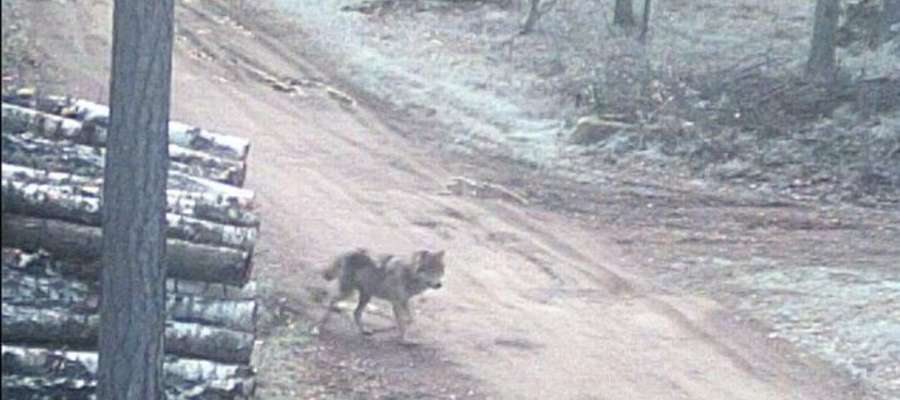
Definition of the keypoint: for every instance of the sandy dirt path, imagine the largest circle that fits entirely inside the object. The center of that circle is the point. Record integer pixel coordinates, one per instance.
(534, 307)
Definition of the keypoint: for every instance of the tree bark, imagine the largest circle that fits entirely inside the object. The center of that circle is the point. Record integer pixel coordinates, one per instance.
(645, 25)
(227, 209)
(93, 119)
(67, 203)
(77, 296)
(82, 244)
(133, 276)
(821, 62)
(535, 12)
(34, 372)
(623, 14)
(25, 149)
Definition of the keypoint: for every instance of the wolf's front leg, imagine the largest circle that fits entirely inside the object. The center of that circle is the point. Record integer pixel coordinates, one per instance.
(401, 317)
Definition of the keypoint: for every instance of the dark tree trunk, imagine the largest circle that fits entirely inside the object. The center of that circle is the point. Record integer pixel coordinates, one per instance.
(532, 18)
(645, 25)
(623, 14)
(821, 62)
(133, 299)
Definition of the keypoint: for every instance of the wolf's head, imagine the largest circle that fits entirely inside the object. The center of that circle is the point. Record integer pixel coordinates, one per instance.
(430, 268)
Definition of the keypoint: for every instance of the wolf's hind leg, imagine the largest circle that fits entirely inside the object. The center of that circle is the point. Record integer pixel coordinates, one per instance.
(357, 313)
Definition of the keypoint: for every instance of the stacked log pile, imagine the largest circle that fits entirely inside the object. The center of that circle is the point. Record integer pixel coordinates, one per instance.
(52, 178)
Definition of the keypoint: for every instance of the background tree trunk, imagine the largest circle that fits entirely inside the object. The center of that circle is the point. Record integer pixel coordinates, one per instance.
(535, 12)
(645, 25)
(623, 14)
(821, 63)
(132, 306)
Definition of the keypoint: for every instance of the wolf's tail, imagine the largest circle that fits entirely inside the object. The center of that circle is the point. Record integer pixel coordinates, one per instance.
(334, 269)
(347, 262)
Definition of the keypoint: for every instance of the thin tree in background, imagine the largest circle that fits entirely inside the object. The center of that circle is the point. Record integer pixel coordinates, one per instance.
(623, 14)
(821, 62)
(134, 199)
(535, 12)
(645, 24)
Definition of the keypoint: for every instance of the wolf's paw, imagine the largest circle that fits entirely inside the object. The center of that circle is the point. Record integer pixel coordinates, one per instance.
(314, 331)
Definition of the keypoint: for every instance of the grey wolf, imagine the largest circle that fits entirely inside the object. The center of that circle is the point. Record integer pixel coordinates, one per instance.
(392, 278)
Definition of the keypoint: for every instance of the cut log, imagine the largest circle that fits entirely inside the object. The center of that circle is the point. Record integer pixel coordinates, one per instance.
(211, 167)
(96, 117)
(193, 183)
(212, 290)
(226, 209)
(22, 173)
(34, 372)
(68, 204)
(62, 326)
(27, 149)
(19, 120)
(43, 264)
(77, 296)
(82, 243)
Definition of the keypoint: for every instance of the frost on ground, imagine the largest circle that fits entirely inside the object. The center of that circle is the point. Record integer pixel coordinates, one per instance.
(461, 64)
(850, 317)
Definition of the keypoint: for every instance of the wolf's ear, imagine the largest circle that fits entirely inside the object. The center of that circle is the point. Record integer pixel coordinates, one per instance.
(439, 255)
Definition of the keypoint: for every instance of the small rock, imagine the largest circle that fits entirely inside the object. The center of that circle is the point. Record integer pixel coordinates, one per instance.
(593, 129)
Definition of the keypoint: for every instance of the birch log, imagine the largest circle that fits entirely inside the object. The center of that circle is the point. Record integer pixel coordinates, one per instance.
(226, 209)
(62, 326)
(41, 263)
(30, 150)
(94, 117)
(35, 372)
(18, 119)
(82, 243)
(79, 296)
(67, 204)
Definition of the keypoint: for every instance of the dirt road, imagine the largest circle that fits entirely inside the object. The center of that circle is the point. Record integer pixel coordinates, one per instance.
(534, 306)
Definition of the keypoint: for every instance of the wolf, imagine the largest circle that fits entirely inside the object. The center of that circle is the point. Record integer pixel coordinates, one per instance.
(392, 278)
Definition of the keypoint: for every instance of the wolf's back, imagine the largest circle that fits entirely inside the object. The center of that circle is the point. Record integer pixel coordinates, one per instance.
(347, 264)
